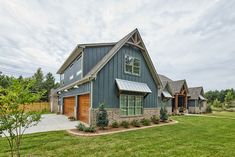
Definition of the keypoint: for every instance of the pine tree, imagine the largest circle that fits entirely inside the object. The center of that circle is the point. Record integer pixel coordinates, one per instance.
(102, 117)
(163, 114)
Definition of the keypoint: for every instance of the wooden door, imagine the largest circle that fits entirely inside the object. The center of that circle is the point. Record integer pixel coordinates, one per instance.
(83, 108)
(69, 103)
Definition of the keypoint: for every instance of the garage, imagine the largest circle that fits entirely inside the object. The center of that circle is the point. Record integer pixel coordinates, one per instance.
(83, 108)
(69, 103)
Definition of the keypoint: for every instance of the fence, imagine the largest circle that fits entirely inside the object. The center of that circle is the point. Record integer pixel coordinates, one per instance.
(38, 106)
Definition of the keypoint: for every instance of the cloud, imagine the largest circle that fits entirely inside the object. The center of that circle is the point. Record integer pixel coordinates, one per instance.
(185, 39)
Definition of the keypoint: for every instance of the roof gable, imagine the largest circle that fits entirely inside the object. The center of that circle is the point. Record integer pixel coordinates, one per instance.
(195, 92)
(133, 38)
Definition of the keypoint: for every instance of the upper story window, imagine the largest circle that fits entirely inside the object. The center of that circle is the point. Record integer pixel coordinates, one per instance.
(132, 65)
(79, 68)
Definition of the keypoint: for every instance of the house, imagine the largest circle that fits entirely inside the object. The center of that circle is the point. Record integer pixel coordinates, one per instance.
(120, 74)
(179, 89)
(197, 101)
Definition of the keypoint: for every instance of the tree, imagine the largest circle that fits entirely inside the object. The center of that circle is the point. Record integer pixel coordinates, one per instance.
(5, 81)
(229, 98)
(38, 77)
(217, 103)
(14, 120)
(48, 84)
(102, 117)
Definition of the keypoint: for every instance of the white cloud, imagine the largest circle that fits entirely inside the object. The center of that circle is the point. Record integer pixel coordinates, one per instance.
(186, 39)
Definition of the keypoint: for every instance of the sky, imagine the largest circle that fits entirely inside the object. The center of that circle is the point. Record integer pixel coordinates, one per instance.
(186, 39)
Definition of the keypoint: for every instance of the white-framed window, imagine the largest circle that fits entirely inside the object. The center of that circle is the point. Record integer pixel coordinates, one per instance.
(71, 77)
(131, 105)
(132, 65)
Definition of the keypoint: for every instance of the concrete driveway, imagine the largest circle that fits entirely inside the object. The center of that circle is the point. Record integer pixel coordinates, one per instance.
(52, 122)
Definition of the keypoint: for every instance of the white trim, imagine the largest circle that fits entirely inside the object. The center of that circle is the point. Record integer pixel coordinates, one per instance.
(91, 102)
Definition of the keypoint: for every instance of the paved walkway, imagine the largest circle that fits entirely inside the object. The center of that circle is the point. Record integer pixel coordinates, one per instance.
(203, 115)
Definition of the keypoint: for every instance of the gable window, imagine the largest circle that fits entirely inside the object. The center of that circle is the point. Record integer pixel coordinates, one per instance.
(132, 65)
(131, 105)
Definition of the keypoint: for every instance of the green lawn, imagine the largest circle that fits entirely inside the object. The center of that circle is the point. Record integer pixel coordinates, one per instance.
(192, 136)
(223, 114)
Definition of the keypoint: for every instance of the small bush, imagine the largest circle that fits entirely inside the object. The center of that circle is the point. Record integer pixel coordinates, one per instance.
(145, 122)
(80, 127)
(163, 114)
(89, 129)
(102, 117)
(125, 124)
(114, 124)
(208, 109)
(71, 118)
(155, 119)
(135, 123)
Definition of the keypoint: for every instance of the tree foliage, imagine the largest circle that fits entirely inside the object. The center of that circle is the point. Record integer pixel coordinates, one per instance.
(14, 120)
(219, 95)
(102, 117)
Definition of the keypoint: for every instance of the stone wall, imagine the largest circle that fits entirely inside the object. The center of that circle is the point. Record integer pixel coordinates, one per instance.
(113, 115)
(194, 110)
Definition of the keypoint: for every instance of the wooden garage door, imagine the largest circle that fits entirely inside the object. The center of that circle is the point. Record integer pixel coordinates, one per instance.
(83, 108)
(69, 104)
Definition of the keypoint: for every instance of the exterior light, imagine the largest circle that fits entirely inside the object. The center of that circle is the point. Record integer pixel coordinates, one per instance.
(66, 90)
(75, 86)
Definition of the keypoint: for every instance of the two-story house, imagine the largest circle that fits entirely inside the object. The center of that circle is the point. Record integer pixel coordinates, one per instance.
(121, 75)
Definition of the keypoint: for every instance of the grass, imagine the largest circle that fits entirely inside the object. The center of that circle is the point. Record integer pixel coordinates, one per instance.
(223, 114)
(192, 136)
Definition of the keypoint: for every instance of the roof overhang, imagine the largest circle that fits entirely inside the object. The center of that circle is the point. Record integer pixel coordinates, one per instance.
(131, 86)
(202, 98)
(166, 94)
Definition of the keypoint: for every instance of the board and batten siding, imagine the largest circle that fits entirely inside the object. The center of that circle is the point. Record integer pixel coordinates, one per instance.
(92, 55)
(105, 89)
(82, 89)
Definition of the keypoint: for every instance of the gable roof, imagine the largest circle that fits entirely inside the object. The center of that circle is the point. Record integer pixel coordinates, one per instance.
(176, 86)
(132, 38)
(195, 92)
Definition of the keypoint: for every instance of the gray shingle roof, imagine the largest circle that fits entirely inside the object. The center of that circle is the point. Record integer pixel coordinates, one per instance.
(195, 92)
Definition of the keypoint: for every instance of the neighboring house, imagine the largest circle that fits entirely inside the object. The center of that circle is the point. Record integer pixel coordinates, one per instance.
(197, 101)
(179, 88)
(121, 75)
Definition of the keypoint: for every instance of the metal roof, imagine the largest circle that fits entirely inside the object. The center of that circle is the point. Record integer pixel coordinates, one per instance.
(201, 97)
(166, 94)
(131, 86)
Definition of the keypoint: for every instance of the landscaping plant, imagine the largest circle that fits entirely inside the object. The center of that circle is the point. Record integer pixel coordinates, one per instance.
(136, 123)
(89, 129)
(125, 124)
(163, 114)
(155, 119)
(14, 119)
(102, 117)
(145, 122)
(80, 127)
(114, 124)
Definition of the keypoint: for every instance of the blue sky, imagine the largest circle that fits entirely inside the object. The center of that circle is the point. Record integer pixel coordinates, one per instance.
(190, 39)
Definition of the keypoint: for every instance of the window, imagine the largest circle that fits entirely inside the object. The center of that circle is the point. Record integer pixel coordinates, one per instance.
(131, 105)
(79, 67)
(132, 65)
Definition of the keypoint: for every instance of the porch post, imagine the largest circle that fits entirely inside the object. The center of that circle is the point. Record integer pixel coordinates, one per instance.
(185, 102)
(176, 103)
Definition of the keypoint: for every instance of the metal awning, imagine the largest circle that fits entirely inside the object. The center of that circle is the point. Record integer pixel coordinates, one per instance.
(131, 86)
(166, 94)
(201, 97)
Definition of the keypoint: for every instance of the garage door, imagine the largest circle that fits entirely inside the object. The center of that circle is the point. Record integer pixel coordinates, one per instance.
(69, 104)
(83, 108)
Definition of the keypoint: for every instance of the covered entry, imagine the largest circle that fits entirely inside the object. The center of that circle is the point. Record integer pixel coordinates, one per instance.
(83, 108)
(69, 103)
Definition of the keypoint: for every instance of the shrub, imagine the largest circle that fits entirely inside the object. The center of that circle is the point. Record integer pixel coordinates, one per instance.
(135, 123)
(155, 119)
(102, 117)
(89, 129)
(114, 124)
(163, 114)
(80, 127)
(71, 118)
(125, 124)
(208, 109)
(145, 122)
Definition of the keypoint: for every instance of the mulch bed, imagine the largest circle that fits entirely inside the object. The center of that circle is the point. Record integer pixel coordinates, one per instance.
(110, 130)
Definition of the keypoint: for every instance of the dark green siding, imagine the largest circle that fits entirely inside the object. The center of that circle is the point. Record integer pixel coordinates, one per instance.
(104, 86)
